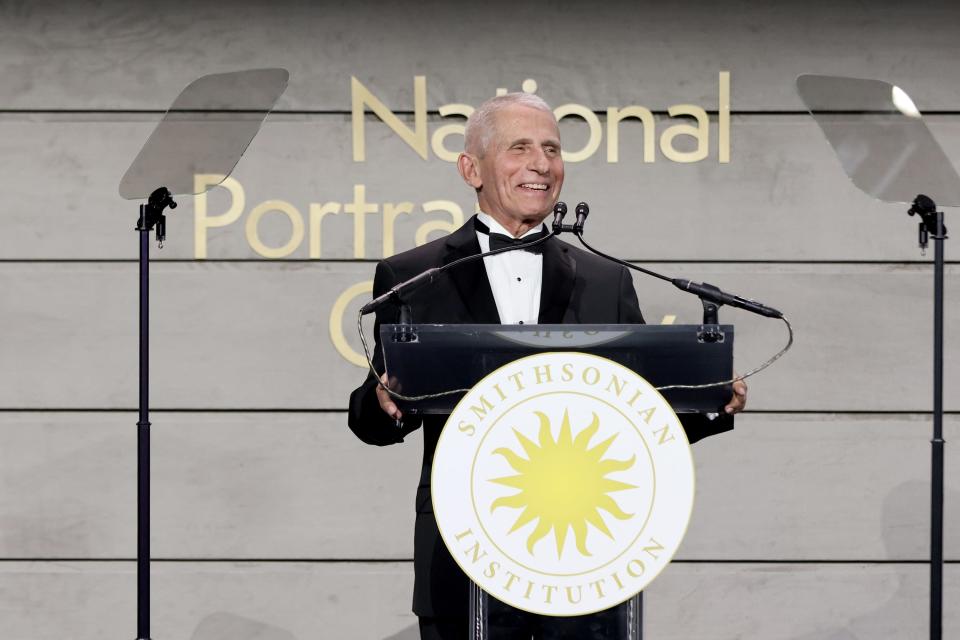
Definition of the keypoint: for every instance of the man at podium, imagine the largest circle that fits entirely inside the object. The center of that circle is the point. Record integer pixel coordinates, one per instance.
(512, 159)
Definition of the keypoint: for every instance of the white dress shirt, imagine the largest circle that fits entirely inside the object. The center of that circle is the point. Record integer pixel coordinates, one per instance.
(515, 276)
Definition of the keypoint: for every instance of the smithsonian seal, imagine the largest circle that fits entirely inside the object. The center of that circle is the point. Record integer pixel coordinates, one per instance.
(562, 483)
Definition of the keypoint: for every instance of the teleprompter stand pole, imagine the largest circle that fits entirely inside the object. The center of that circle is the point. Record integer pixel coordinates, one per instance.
(151, 215)
(931, 224)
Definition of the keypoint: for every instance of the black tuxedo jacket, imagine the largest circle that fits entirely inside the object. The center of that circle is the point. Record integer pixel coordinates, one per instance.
(577, 288)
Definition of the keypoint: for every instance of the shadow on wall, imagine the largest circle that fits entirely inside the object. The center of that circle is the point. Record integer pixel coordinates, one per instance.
(903, 525)
(410, 633)
(227, 626)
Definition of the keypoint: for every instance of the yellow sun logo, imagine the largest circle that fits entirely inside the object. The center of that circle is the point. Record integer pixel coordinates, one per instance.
(563, 483)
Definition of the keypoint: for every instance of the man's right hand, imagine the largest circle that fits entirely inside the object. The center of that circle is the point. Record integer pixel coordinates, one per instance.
(386, 402)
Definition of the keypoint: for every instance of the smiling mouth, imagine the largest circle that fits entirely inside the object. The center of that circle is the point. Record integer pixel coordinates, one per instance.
(531, 186)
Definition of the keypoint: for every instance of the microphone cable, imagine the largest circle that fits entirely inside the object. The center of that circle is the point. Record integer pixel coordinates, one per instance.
(395, 292)
(708, 385)
(423, 278)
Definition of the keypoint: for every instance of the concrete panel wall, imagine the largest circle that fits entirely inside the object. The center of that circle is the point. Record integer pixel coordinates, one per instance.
(272, 520)
(287, 601)
(300, 486)
(615, 53)
(257, 334)
(782, 197)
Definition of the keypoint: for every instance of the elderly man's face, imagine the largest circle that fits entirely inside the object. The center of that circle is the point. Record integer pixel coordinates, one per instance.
(521, 172)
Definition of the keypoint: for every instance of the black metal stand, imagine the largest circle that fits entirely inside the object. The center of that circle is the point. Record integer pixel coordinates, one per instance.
(931, 224)
(640, 616)
(710, 329)
(151, 215)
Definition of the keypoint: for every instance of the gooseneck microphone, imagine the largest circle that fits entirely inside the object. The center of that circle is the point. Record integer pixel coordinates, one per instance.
(559, 210)
(396, 293)
(714, 294)
(407, 286)
(582, 210)
(709, 295)
(703, 290)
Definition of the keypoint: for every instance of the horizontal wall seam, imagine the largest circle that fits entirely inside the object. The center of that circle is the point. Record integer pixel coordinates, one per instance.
(786, 561)
(228, 410)
(328, 261)
(432, 112)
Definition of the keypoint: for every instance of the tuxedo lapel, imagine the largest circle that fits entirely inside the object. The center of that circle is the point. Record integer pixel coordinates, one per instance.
(470, 279)
(559, 272)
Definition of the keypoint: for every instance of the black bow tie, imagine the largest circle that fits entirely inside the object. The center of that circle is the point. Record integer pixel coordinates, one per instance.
(500, 240)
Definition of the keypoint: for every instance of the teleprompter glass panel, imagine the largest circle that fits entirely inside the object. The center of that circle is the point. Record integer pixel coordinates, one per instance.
(880, 138)
(205, 131)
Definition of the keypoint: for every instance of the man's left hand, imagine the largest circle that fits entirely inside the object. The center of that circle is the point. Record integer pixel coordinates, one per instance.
(739, 400)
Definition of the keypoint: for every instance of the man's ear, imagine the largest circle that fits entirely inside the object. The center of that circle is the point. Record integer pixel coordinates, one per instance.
(469, 167)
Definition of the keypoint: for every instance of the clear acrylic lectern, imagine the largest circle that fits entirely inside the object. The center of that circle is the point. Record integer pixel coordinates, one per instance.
(429, 359)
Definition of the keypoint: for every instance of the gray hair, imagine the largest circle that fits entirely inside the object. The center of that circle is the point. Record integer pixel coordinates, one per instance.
(482, 123)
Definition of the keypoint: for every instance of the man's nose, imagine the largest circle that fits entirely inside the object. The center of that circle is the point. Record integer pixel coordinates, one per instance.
(539, 161)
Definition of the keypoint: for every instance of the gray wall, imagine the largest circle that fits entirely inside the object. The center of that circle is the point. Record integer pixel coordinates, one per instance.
(270, 518)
